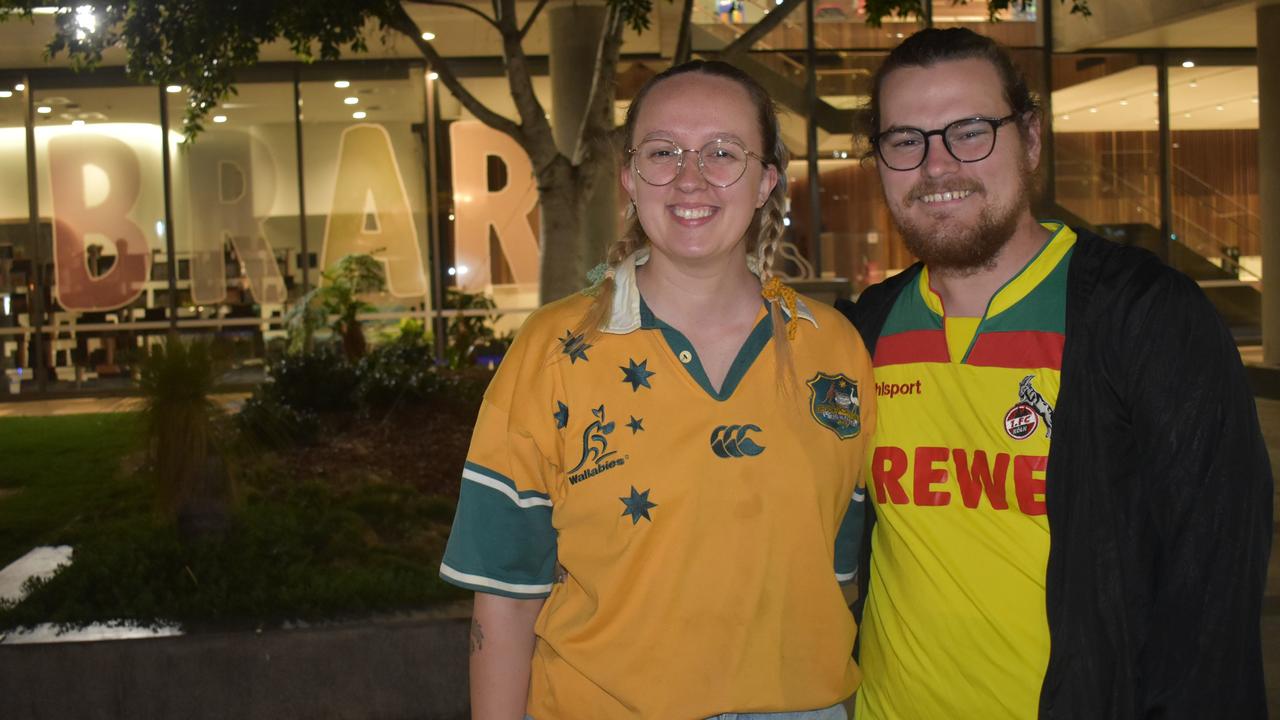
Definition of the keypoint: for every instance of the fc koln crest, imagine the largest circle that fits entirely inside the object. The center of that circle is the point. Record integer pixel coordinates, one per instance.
(833, 402)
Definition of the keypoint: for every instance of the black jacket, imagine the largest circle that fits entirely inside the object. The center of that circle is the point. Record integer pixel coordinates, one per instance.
(1159, 498)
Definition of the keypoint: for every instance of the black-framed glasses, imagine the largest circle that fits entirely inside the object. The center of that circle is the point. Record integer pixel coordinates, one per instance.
(968, 140)
(721, 162)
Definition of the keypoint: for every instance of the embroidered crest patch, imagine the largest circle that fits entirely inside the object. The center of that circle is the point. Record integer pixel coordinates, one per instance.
(833, 402)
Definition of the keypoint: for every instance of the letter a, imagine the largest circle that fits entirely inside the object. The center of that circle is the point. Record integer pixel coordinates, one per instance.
(384, 228)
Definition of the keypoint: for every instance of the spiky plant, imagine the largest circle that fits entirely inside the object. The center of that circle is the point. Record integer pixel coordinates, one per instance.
(339, 297)
(176, 380)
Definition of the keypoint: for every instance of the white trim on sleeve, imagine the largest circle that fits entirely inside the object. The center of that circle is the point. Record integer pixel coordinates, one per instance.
(481, 581)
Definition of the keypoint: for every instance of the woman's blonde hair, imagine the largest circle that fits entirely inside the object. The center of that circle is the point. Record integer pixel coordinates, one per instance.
(763, 234)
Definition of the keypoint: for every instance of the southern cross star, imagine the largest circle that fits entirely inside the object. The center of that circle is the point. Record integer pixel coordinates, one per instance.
(636, 424)
(575, 346)
(637, 375)
(637, 505)
(561, 415)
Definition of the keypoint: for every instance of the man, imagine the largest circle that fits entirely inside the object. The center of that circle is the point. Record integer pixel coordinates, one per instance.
(1071, 492)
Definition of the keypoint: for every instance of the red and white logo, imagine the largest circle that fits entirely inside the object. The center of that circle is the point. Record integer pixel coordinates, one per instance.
(1021, 421)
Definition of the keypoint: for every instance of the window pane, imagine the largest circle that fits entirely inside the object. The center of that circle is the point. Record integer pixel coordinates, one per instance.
(236, 228)
(98, 148)
(16, 246)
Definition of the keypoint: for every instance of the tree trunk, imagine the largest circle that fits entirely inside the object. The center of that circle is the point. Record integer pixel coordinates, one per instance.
(567, 254)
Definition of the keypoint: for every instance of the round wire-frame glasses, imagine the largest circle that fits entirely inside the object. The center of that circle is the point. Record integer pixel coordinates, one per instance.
(968, 140)
(721, 162)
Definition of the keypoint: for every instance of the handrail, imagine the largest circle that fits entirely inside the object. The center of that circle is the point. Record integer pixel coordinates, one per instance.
(1139, 195)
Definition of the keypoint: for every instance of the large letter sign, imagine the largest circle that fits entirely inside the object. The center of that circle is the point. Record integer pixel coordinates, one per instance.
(222, 196)
(370, 212)
(96, 181)
(477, 209)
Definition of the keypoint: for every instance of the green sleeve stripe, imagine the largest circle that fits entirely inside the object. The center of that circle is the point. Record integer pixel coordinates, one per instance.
(496, 545)
(849, 537)
(489, 478)
(479, 583)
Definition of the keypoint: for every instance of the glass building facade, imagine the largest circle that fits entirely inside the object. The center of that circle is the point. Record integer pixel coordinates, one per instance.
(114, 232)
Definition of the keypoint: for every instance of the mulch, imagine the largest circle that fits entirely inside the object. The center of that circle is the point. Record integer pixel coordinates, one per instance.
(424, 446)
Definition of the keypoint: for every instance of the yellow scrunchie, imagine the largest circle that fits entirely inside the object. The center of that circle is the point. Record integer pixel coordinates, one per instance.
(775, 291)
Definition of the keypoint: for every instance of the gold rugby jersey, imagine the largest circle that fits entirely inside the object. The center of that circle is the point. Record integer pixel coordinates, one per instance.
(702, 531)
(955, 623)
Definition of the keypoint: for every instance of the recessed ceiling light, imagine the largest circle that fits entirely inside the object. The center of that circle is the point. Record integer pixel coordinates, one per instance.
(219, 118)
(428, 36)
(77, 123)
(44, 109)
(350, 100)
(433, 75)
(1124, 102)
(19, 87)
(359, 115)
(1220, 108)
(342, 83)
(1066, 117)
(1186, 115)
(1188, 64)
(173, 89)
(1255, 99)
(6, 93)
(1093, 109)
(1193, 84)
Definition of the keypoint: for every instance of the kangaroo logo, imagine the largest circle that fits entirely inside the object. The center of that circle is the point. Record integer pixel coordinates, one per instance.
(595, 443)
(731, 441)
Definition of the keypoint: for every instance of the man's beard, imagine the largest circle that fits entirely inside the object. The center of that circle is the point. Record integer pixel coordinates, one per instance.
(961, 249)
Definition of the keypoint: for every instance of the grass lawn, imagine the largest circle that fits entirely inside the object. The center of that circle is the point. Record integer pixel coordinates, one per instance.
(316, 534)
(59, 476)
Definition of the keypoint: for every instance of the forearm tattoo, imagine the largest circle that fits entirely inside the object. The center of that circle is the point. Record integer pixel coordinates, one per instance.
(477, 636)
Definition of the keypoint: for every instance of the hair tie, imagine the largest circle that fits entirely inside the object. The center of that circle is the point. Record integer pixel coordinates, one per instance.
(596, 277)
(775, 291)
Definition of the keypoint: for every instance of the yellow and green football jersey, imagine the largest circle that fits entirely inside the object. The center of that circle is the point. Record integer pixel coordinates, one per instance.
(702, 531)
(955, 623)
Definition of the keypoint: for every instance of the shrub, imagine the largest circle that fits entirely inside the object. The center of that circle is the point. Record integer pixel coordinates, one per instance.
(318, 381)
(271, 423)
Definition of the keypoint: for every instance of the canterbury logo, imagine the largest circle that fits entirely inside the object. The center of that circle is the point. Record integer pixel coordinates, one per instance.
(731, 441)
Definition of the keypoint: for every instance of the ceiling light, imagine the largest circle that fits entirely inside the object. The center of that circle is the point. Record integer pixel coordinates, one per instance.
(77, 123)
(1220, 108)
(44, 109)
(219, 118)
(1093, 109)
(350, 100)
(433, 75)
(1066, 117)
(19, 87)
(1186, 115)
(359, 115)
(1188, 64)
(6, 93)
(173, 89)
(1255, 99)
(1193, 84)
(342, 84)
(1124, 102)
(428, 36)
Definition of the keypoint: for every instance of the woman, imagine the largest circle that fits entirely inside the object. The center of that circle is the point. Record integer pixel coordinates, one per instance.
(652, 505)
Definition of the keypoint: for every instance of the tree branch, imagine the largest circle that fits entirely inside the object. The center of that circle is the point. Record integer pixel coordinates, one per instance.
(536, 136)
(597, 123)
(760, 29)
(460, 6)
(402, 22)
(684, 43)
(528, 23)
